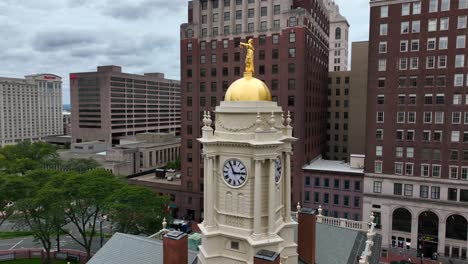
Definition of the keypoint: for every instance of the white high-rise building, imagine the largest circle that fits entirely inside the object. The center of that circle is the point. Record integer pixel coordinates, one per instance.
(30, 108)
(339, 38)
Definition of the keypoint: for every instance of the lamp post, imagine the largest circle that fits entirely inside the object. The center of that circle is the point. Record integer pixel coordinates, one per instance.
(102, 218)
(422, 255)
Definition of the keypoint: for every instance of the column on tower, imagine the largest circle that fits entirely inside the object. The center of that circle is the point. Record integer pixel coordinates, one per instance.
(271, 198)
(209, 193)
(287, 178)
(258, 198)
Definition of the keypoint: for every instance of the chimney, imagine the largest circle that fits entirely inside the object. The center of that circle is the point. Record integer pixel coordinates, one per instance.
(306, 235)
(267, 257)
(175, 250)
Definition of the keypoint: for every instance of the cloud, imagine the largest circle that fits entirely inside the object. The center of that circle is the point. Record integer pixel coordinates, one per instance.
(143, 9)
(48, 41)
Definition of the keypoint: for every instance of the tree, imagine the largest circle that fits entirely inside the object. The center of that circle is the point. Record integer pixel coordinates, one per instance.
(41, 210)
(137, 210)
(86, 199)
(80, 165)
(26, 156)
(12, 188)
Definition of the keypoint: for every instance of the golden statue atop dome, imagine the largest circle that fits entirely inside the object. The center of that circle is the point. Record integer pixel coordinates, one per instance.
(249, 58)
(248, 88)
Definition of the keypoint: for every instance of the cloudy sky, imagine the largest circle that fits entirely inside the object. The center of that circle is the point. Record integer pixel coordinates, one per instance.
(63, 36)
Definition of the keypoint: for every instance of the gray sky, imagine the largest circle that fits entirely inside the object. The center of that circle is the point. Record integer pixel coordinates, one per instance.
(63, 36)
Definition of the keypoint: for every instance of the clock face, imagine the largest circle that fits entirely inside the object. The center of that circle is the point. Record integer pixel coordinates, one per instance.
(234, 173)
(278, 170)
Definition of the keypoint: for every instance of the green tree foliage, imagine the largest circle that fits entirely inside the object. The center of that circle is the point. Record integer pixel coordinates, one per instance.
(174, 164)
(80, 165)
(26, 156)
(40, 208)
(137, 210)
(47, 200)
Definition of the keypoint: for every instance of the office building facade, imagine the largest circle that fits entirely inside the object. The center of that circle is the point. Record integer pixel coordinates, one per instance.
(108, 105)
(30, 108)
(416, 175)
(291, 57)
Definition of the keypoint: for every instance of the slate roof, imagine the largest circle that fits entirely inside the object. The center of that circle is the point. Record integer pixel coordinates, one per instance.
(125, 249)
(330, 238)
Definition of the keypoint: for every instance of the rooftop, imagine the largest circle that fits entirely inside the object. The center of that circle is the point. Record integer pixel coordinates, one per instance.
(125, 249)
(332, 166)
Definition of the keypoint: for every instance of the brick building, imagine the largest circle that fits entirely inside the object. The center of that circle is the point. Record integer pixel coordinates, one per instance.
(416, 175)
(336, 186)
(291, 57)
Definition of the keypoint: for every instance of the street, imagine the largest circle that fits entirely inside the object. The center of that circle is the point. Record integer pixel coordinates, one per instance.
(66, 242)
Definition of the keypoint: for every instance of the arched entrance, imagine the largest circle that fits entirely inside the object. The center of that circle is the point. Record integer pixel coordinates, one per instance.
(428, 231)
(401, 220)
(456, 227)
(401, 227)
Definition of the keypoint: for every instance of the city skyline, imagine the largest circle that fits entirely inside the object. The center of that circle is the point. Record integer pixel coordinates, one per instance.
(58, 41)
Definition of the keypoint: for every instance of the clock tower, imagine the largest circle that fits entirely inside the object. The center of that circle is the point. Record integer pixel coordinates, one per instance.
(247, 177)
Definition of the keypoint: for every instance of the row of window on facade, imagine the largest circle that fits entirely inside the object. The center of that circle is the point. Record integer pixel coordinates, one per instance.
(227, 3)
(433, 25)
(225, 42)
(238, 14)
(337, 200)
(429, 99)
(429, 81)
(213, 58)
(433, 7)
(425, 136)
(454, 194)
(427, 170)
(412, 63)
(336, 183)
(427, 117)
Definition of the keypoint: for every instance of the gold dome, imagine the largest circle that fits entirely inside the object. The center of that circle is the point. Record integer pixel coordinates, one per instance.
(248, 89)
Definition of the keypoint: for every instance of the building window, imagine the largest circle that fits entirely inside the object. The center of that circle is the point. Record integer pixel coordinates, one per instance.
(292, 37)
(408, 190)
(338, 33)
(378, 166)
(433, 6)
(276, 9)
(416, 26)
(435, 192)
(399, 168)
(397, 189)
(453, 172)
(378, 151)
(383, 47)
(405, 9)
(382, 65)
(424, 191)
(436, 171)
(383, 29)
(383, 11)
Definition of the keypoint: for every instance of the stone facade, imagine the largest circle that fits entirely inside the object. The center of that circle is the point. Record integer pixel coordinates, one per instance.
(241, 220)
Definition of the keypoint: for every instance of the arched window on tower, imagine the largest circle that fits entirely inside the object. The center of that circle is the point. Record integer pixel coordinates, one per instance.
(338, 33)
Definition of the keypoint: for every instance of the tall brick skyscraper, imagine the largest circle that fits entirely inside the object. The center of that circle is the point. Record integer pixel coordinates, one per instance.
(291, 57)
(416, 179)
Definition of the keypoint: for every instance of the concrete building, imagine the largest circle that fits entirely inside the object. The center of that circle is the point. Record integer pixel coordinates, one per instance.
(336, 186)
(144, 152)
(358, 98)
(338, 115)
(109, 104)
(339, 38)
(347, 95)
(416, 170)
(66, 122)
(291, 56)
(30, 108)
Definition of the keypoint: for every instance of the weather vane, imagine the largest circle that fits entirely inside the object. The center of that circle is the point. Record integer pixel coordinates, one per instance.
(249, 58)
